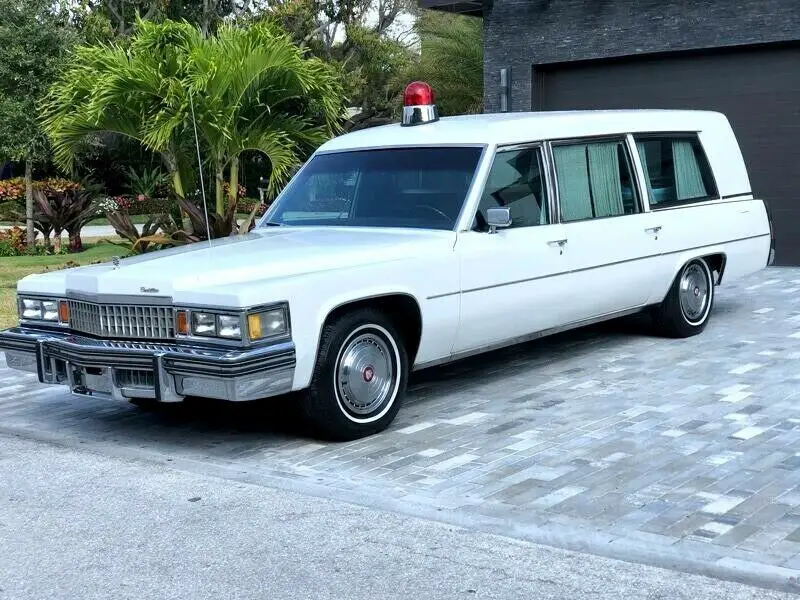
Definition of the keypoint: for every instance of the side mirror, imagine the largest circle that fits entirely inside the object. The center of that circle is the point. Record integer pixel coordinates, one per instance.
(498, 218)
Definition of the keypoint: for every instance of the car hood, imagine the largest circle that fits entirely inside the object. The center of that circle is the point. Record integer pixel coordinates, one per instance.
(260, 255)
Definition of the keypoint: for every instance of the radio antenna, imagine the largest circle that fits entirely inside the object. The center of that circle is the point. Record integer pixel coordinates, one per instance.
(200, 169)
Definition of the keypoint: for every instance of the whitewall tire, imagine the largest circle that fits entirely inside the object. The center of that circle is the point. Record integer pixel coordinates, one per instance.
(687, 308)
(360, 377)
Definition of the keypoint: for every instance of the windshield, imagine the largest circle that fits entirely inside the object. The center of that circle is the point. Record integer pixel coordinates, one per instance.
(393, 187)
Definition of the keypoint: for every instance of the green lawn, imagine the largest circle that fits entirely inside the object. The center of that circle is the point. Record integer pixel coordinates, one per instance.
(14, 268)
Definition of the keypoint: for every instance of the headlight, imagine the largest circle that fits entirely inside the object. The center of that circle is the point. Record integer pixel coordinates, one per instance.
(49, 310)
(267, 324)
(30, 309)
(207, 324)
(52, 311)
(264, 324)
(229, 326)
(204, 324)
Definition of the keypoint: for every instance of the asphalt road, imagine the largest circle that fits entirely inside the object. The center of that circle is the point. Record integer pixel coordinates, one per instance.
(78, 524)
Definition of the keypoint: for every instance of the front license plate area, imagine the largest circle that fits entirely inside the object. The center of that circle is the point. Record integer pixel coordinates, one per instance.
(90, 381)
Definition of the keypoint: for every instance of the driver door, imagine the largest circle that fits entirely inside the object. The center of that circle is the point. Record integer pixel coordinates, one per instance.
(513, 281)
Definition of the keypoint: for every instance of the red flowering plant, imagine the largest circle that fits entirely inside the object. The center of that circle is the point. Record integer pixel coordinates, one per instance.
(241, 190)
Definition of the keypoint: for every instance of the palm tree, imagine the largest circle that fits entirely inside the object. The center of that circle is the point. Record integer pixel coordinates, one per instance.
(133, 90)
(254, 90)
(451, 60)
(238, 90)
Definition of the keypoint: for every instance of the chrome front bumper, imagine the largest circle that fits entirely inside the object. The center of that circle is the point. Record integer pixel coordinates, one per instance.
(166, 372)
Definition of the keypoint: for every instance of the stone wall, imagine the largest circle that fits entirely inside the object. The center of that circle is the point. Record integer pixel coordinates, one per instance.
(521, 33)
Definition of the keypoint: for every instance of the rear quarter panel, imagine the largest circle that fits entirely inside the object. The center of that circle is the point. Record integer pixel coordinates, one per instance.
(735, 225)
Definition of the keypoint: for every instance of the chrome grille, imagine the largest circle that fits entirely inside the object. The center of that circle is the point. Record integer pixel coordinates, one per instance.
(132, 378)
(122, 320)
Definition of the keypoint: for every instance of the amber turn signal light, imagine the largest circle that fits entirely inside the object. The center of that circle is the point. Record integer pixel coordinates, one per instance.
(63, 311)
(183, 323)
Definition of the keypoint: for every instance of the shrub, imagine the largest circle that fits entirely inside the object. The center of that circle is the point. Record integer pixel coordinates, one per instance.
(134, 205)
(247, 206)
(13, 240)
(66, 205)
(12, 243)
(149, 183)
(12, 189)
(242, 191)
(6, 249)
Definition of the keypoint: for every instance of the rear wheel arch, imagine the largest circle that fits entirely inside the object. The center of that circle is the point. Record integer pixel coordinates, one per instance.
(716, 262)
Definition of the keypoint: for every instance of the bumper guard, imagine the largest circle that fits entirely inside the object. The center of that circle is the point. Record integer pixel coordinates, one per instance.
(166, 372)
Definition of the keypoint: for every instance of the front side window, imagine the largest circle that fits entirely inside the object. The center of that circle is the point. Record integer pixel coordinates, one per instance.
(676, 169)
(516, 180)
(595, 180)
(392, 187)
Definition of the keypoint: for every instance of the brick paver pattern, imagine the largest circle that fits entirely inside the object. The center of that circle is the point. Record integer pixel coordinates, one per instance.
(690, 444)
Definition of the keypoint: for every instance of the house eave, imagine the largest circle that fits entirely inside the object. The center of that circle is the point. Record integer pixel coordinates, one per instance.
(472, 8)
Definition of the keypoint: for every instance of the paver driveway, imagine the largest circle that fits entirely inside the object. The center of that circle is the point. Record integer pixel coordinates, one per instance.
(681, 453)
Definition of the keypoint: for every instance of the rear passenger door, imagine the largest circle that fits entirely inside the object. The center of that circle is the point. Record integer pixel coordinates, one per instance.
(611, 246)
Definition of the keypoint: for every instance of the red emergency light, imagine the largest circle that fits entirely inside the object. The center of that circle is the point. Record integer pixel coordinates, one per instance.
(419, 104)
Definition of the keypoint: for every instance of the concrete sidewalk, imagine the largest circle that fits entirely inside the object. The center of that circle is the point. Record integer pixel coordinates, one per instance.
(78, 524)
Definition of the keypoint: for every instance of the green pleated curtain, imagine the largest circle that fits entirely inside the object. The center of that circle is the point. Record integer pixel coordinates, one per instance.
(586, 173)
(688, 179)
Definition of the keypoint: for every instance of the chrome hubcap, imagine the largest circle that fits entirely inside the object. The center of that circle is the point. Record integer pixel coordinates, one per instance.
(694, 292)
(365, 374)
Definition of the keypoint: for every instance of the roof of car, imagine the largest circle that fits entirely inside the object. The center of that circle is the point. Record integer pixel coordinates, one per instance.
(520, 127)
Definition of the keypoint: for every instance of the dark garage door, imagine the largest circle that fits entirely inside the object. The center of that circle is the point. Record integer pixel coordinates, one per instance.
(758, 89)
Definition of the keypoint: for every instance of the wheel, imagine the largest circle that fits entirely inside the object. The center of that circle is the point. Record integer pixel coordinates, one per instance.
(686, 309)
(360, 377)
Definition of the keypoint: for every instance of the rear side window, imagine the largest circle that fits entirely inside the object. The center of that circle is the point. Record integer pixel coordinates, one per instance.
(676, 169)
(595, 180)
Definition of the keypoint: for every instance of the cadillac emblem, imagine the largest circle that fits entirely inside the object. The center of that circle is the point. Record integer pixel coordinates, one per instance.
(115, 260)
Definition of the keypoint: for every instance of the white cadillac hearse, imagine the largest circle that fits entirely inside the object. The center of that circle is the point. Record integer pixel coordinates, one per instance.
(408, 245)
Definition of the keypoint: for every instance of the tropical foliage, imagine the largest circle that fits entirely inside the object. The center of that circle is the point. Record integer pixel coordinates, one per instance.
(451, 60)
(33, 42)
(59, 205)
(177, 106)
(236, 91)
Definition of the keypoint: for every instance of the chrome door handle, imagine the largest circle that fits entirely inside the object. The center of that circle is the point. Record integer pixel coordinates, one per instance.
(557, 242)
(655, 229)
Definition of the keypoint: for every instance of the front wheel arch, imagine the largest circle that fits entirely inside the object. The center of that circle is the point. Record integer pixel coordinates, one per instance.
(402, 308)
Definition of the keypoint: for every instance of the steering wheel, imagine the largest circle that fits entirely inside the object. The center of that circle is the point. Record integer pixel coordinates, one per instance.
(433, 209)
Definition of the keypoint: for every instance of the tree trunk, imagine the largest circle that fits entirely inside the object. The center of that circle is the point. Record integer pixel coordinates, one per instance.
(233, 193)
(177, 186)
(31, 234)
(57, 241)
(220, 192)
(75, 241)
(177, 183)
